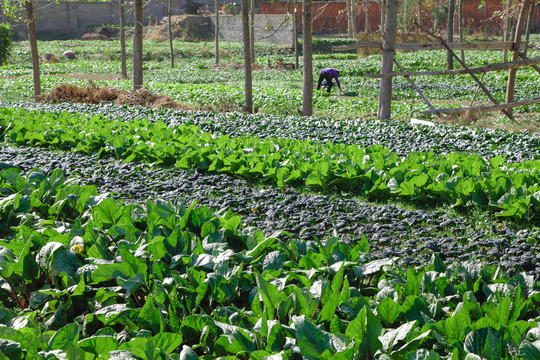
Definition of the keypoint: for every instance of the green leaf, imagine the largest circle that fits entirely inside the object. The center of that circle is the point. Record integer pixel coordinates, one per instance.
(69, 334)
(10, 349)
(26, 266)
(438, 264)
(365, 329)
(123, 355)
(501, 313)
(413, 282)
(261, 247)
(456, 327)
(311, 340)
(188, 354)
(529, 351)
(150, 316)
(272, 297)
(273, 261)
(132, 283)
(98, 345)
(166, 341)
(393, 336)
(371, 267)
(363, 246)
(422, 354)
(7, 262)
(329, 308)
(485, 342)
(106, 213)
(389, 311)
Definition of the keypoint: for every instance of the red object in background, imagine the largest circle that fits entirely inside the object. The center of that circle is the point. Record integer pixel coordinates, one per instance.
(331, 17)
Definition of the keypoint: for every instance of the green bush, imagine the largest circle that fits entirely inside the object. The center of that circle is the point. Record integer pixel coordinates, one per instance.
(6, 42)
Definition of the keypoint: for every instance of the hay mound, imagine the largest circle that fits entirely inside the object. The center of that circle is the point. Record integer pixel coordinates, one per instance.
(104, 95)
(184, 27)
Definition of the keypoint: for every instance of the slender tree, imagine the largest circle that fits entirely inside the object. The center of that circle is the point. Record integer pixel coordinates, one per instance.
(528, 27)
(450, 33)
(169, 15)
(216, 35)
(367, 6)
(351, 28)
(387, 61)
(295, 35)
(307, 26)
(31, 24)
(460, 22)
(123, 38)
(247, 56)
(383, 14)
(435, 18)
(138, 47)
(507, 25)
(13, 10)
(252, 30)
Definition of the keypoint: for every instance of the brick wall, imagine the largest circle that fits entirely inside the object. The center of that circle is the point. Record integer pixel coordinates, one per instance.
(330, 17)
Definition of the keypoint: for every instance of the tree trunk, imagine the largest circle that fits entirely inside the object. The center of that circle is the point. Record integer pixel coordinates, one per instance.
(528, 27)
(383, 14)
(450, 32)
(216, 5)
(123, 39)
(419, 12)
(366, 28)
(387, 61)
(435, 18)
(137, 47)
(252, 30)
(524, 12)
(169, 13)
(353, 18)
(247, 56)
(350, 19)
(307, 26)
(460, 22)
(295, 35)
(31, 23)
(349, 28)
(507, 25)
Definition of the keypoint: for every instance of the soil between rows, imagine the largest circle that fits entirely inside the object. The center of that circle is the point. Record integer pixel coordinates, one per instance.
(407, 236)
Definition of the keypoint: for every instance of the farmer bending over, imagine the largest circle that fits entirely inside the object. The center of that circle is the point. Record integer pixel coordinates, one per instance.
(329, 74)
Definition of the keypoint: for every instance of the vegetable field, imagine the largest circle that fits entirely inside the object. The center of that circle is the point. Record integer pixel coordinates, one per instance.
(137, 233)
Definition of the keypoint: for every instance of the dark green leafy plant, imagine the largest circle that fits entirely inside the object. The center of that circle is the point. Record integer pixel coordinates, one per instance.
(6, 42)
(458, 179)
(166, 281)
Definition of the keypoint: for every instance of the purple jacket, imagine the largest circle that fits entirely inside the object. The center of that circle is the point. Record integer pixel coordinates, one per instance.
(333, 74)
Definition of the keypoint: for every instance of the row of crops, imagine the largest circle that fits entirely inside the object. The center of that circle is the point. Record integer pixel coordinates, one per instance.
(108, 253)
(459, 179)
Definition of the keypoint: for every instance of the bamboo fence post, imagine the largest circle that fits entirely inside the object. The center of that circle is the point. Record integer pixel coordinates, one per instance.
(484, 89)
(517, 42)
(524, 57)
(485, 108)
(478, 70)
(477, 88)
(416, 88)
